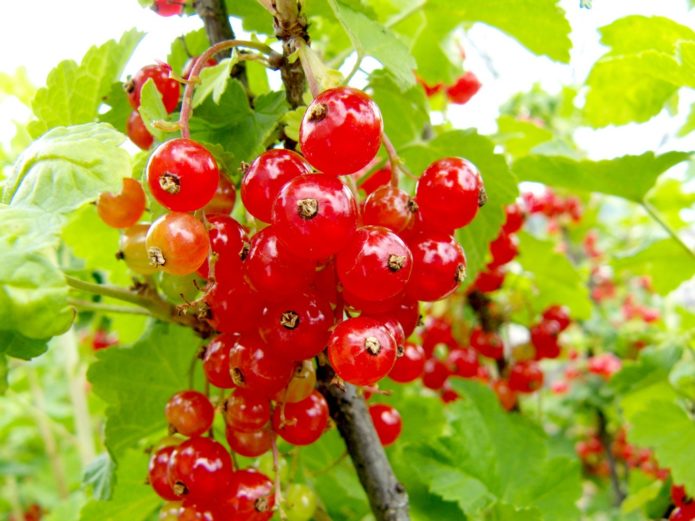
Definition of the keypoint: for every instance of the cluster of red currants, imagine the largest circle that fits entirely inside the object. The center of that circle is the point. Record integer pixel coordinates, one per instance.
(168, 7)
(685, 504)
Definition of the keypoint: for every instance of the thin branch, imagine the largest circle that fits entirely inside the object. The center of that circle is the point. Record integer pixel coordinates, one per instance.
(291, 30)
(655, 215)
(605, 438)
(88, 305)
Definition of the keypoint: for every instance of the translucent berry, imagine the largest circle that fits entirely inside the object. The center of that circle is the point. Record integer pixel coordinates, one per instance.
(134, 251)
(167, 86)
(200, 469)
(189, 413)
(158, 473)
(137, 131)
(409, 365)
(124, 209)
(246, 411)
(390, 207)
(302, 423)
(254, 368)
(177, 243)
(387, 422)
(439, 266)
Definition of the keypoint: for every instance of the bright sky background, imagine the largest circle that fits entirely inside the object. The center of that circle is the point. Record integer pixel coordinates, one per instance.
(38, 34)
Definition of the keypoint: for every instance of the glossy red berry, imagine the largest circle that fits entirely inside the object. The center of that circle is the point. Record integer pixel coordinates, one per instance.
(439, 266)
(434, 374)
(678, 495)
(266, 176)
(390, 207)
(168, 7)
(122, 210)
(449, 193)
(464, 89)
(251, 496)
(273, 270)
(407, 313)
(375, 264)
(246, 411)
(200, 469)
(314, 215)
(250, 444)
(503, 249)
(505, 395)
(489, 280)
(361, 350)
(177, 243)
(559, 314)
(137, 131)
(463, 362)
(167, 86)
(514, 218)
(301, 386)
(303, 422)
(254, 368)
(235, 308)
(387, 422)
(133, 251)
(409, 365)
(525, 377)
(182, 175)
(487, 343)
(197, 511)
(223, 200)
(216, 360)
(192, 62)
(437, 330)
(341, 131)
(297, 328)
(189, 413)
(230, 245)
(544, 337)
(158, 473)
(375, 180)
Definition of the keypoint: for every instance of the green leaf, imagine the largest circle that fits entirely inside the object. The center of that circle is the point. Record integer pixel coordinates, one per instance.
(100, 475)
(370, 38)
(132, 499)
(194, 43)
(33, 292)
(73, 93)
(500, 185)
(67, 167)
(213, 80)
(630, 177)
(665, 261)
(689, 124)
(555, 279)
(152, 109)
(254, 18)
(17, 345)
(640, 498)
(119, 107)
(496, 464)
(520, 137)
(18, 85)
(136, 383)
(636, 33)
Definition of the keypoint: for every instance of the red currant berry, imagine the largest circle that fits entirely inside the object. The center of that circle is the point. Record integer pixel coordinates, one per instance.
(233, 309)
(504, 248)
(158, 473)
(390, 207)
(489, 280)
(189, 413)
(487, 343)
(137, 131)
(447, 394)
(301, 386)
(302, 423)
(125, 209)
(167, 86)
(254, 368)
(273, 270)
(177, 243)
(437, 330)
(195, 511)
(266, 176)
(525, 377)
(361, 350)
(375, 264)
(251, 496)
(230, 245)
(409, 365)
(678, 495)
(314, 215)
(297, 328)
(463, 362)
(216, 360)
(341, 131)
(182, 175)
(449, 193)
(406, 313)
(387, 423)
(559, 314)
(464, 89)
(168, 7)
(434, 374)
(133, 251)
(375, 180)
(245, 411)
(514, 218)
(505, 395)
(192, 62)
(250, 444)
(439, 266)
(223, 200)
(200, 469)
(544, 337)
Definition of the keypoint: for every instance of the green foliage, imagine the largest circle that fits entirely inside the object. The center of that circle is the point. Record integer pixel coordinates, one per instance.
(67, 167)
(152, 109)
(73, 93)
(100, 475)
(136, 382)
(213, 80)
(183, 47)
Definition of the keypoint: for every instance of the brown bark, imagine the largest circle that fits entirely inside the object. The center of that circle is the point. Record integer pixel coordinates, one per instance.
(217, 26)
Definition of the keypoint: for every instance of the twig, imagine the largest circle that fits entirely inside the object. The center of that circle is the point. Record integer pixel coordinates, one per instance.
(606, 443)
(87, 305)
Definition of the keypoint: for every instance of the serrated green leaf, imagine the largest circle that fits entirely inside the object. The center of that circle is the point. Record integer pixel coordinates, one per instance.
(100, 476)
(636, 33)
(67, 167)
(73, 93)
(500, 185)
(132, 499)
(152, 109)
(370, 38)
(520, 137)
(119, 107)
(630, 177)
(665, 261)
(136, 382)
(33, 294)
(555, 279)
(213, 80)
(292, 121)
(18, 85)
